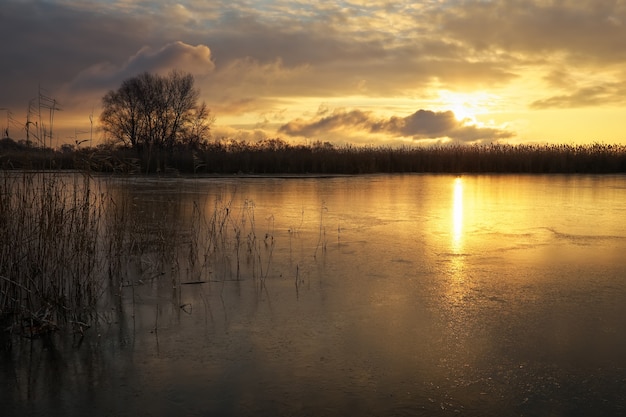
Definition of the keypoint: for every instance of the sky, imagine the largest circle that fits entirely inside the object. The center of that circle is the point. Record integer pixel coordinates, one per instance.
(365, 72)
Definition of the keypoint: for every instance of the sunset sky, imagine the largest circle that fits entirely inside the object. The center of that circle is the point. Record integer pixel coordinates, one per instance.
(352, 71)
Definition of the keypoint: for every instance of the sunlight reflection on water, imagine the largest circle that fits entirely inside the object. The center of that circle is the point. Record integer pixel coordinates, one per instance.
(416, 294)
(457, 216)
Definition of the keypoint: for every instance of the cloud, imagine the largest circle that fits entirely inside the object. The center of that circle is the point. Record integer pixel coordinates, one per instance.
(338, 120)
(196, 60)
(254, 59)
(423, 124)
(582, 30)
(595, 95)
(313, 50)
(344, 56)
(50, 44)
(559, 78)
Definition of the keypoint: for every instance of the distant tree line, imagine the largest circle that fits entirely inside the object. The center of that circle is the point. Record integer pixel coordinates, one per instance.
(275, 156)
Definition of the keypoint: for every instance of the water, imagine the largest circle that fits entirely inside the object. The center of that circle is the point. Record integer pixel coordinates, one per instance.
(374, 295)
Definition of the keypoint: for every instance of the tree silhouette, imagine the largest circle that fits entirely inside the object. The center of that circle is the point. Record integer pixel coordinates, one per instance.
(153, 111)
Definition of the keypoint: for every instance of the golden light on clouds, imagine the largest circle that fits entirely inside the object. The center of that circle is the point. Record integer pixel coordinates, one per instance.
(389, 73)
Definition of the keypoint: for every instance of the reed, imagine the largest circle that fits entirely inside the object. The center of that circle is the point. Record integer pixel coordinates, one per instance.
(68, 249)
(49, 260)
(321, 239)
(220, 238)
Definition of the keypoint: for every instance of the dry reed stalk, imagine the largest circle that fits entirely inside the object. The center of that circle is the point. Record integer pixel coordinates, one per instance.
(64, 244)
(49, 243)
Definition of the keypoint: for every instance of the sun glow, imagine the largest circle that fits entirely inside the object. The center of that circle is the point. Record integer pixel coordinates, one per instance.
(466, 106)
(462, 112)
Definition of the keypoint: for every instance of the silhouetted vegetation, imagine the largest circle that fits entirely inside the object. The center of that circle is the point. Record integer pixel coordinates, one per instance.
(275, 156)
(49, 235)
(68, 246)
(150, 111)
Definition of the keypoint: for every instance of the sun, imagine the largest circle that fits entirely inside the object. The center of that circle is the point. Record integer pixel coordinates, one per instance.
(465, 106)
(462, 112)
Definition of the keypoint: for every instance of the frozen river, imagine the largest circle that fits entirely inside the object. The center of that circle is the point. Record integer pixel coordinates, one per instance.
(374, 295)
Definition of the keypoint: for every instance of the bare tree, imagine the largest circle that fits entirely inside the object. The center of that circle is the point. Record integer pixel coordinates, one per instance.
(199, 127)
(150, 110)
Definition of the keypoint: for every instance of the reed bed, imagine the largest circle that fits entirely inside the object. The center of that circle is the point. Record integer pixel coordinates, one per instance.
(49, 230)
(282, 158)
(275, 156)
(68, 249)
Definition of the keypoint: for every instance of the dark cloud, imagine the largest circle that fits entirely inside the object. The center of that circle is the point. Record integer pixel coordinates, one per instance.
(78, 51)
(50, 44)
(423, 124)
(337, 120)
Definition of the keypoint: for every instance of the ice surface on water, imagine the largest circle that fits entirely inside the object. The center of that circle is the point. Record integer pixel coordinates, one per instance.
(380, 295)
